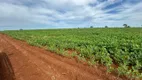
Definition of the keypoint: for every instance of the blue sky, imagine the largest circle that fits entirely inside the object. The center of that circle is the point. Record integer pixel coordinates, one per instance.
(41, 14)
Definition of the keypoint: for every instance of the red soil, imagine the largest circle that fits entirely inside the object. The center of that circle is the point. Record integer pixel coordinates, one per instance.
(33, 63)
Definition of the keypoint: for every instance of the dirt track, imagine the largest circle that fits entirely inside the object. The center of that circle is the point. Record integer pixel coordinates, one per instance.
(33, 63)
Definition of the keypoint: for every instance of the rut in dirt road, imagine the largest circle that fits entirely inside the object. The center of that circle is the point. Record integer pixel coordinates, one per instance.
(6, 70)
(33, 63)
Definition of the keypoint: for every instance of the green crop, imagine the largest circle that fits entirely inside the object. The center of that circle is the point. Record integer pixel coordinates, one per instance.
(109, 46)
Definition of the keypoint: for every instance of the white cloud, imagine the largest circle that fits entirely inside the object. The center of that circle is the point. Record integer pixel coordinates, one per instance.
(70, 2)
(68, 13)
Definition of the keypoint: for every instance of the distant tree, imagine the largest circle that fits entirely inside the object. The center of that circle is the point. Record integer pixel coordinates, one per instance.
(91, 26)
(21, 29)
(106, 26)
(126, 26)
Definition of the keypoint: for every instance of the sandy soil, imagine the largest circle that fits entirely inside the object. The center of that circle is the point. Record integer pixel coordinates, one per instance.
(33, 63)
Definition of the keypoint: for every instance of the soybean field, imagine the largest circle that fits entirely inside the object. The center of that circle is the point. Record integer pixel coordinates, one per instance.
(119, 49)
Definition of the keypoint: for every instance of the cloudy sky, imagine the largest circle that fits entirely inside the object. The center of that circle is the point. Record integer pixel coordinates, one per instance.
(36, 14)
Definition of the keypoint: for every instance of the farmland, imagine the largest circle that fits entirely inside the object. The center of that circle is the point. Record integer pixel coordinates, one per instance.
(121, 47)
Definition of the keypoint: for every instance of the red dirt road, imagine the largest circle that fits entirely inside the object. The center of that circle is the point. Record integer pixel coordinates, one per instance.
(33, 63)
